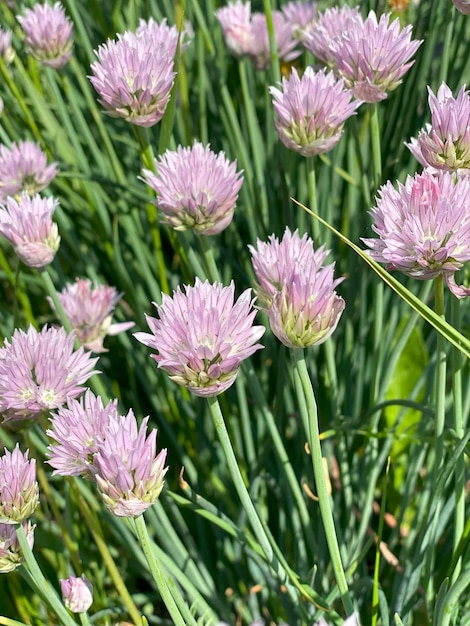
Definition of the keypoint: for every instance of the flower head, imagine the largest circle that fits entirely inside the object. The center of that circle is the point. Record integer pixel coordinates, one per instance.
(19, 490)
(300, 15)
(445, 143)
(48, 34)
(286, 43)
(129, 472)
(235, 20)
(202, 335)
(297, 290)
(134, 75)
(89, 310)
(6, 50)
(23, 167)
(423, 227)
(11, 555)
(320, 37)
(77, 430)
(161, 35)
(39, 371)
(463, 6)
(196, 188)
(28, 226)
(77, 593)
(311, 111)
(373, 56)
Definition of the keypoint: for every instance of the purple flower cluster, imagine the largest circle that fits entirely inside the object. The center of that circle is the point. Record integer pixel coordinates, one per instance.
(23, 167)
(89, 310)
(311, 111)
(39, 371)
(48, 34)
(196, 188)
(202, 335)
(371, 55)
(423, 227)
(94, 441)
(246, 33)
(77, 593)
(296, 290)
(134, 74)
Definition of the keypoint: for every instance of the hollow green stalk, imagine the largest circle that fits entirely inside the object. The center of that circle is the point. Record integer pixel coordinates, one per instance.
(459, 426)
(308, 406)
(161, 578)
(312, 197)
(39, 583)
(210, 266)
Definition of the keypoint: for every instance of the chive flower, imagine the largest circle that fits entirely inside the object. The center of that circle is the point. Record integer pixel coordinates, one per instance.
(202, 335)
(77, 593)
(19, 490)
(23, 167)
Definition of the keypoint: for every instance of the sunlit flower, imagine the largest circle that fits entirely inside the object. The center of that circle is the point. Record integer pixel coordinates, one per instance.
(134, 75)
(423, 227)
(48, 34)
(235, 20)
(311, 111)
(373, 56)
(19, 490)
(260, 52)
(202, 335)
(89, 310)
(77, 430)
(274, 262)
(196, 188)
(23, 167)
(11, 555)
(6, 50)
(463, 6)
(129, 472)
(77, 593)
(320, 37)
(28, 226)
(445, 143)
(300, 15)
(39, 371)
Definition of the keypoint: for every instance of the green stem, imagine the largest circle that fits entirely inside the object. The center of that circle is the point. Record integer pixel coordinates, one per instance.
(312, 197)
(309, 406)
(43, 587)
(210, 268)
(459, 513)
(161, 579)
(245, 499)
(275, 69)
(440, 385)
(376, 150)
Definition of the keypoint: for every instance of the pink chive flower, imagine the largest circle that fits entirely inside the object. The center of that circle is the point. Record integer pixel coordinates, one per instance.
(423, 227)
(260, 53)
(129, 472)
(19, 490)
(463, 6)
(89, 310)
(39, 371)
(373, 56)
(77, 430)
(162, 34)
(311, 111)
(23, 167)
(235, 20)
(48, 34)
(300, 16)
(202, 335)
(320, 37)
(11, 555)
(134, 75)
(196, 188)
(6, 50)
(445, 143)
(77, 593)
(28, 226)
(297, 290)
(273, 262)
